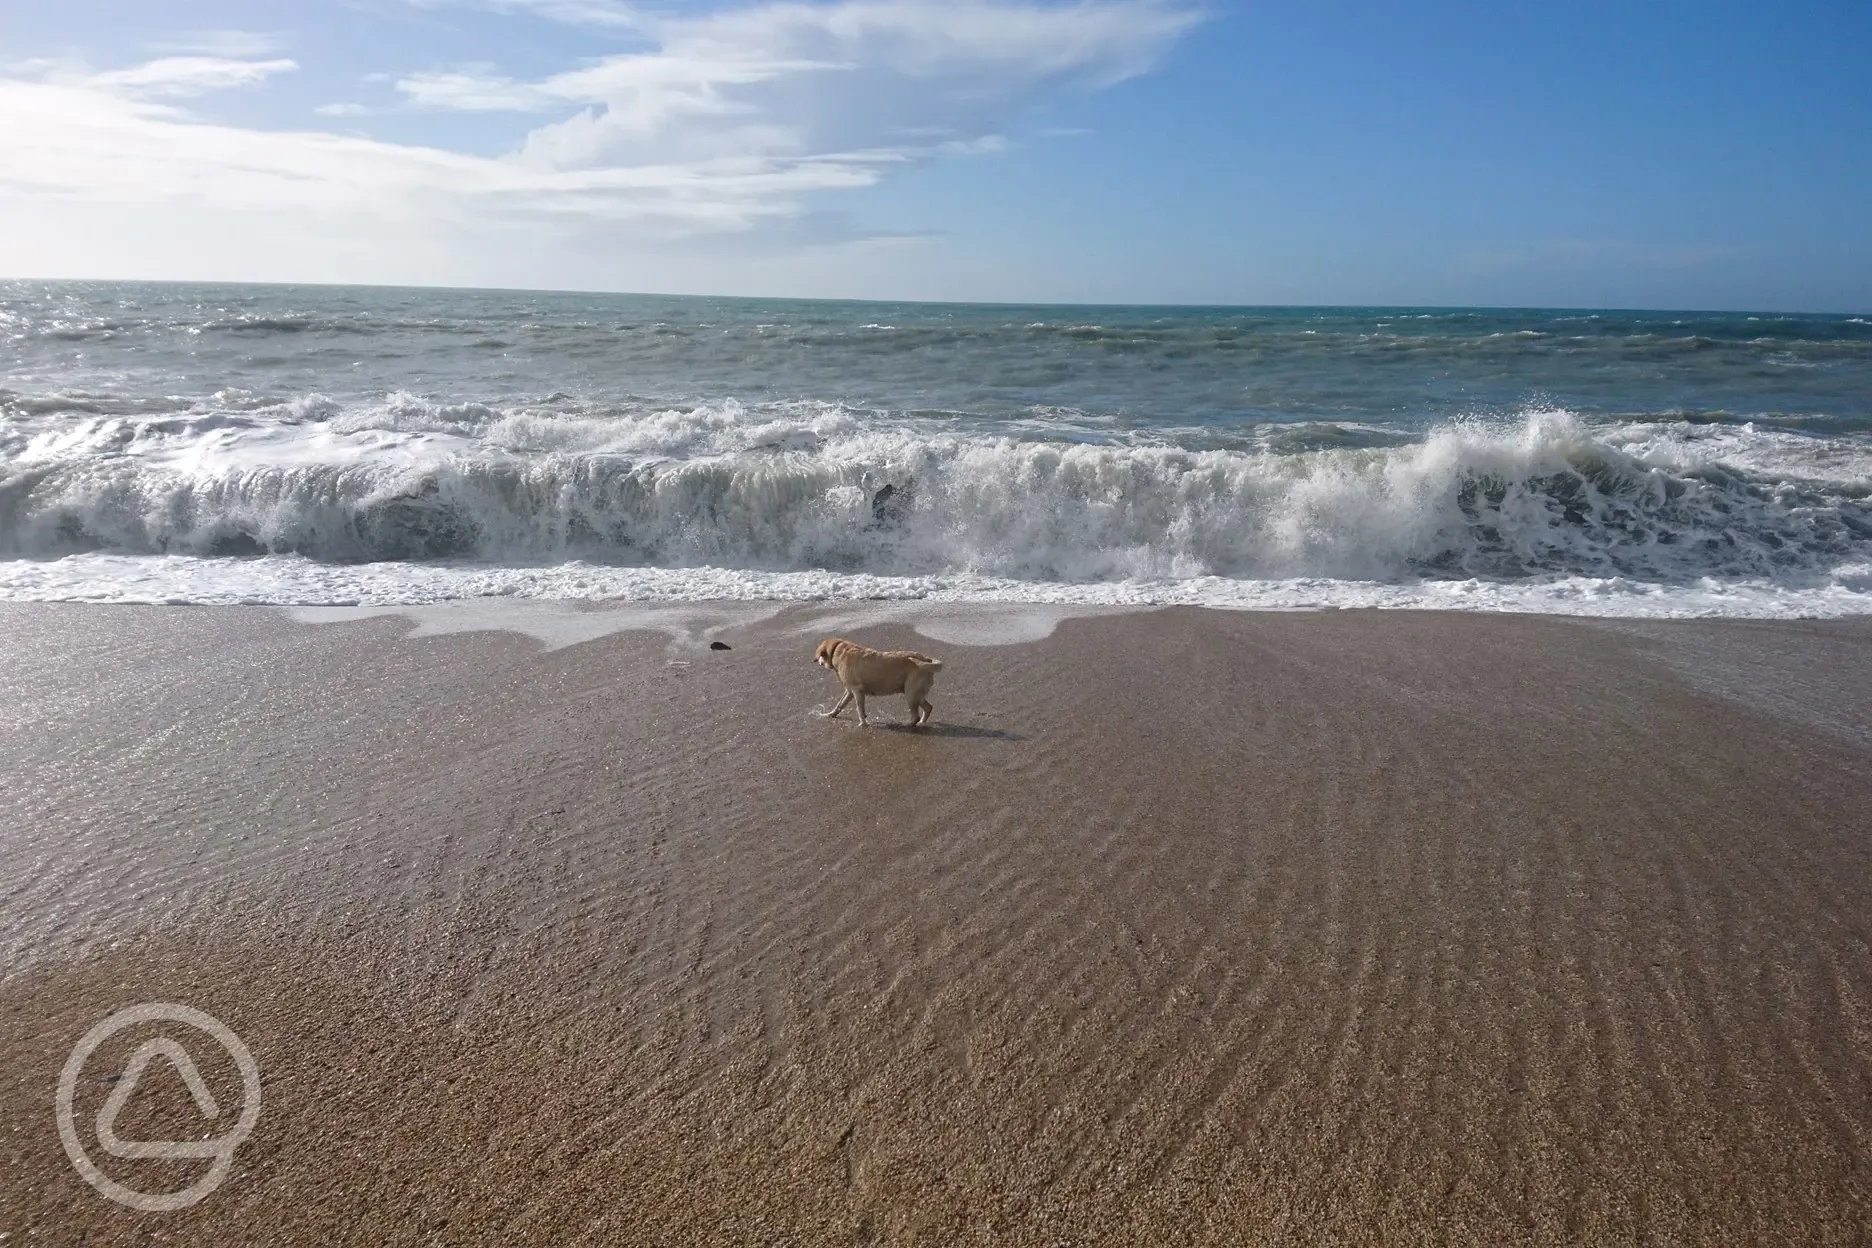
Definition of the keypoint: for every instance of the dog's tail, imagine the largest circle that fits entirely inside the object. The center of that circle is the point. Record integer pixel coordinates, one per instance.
(923, 660)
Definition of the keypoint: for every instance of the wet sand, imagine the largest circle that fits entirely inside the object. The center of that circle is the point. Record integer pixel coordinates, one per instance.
(1180, 927)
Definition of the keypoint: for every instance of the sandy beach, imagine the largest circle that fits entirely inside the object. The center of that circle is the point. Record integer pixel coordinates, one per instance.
(1178, 927)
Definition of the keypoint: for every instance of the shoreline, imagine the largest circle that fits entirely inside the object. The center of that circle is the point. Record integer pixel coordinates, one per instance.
(284, 581)
(1182, 925)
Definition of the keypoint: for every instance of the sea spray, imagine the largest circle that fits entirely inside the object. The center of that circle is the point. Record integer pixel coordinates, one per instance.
(1545, 495)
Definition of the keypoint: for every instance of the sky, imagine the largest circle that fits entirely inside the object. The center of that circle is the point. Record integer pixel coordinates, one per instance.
(1645, 153)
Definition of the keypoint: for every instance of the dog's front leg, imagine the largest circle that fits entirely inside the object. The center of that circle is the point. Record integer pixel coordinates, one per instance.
(843, 699)
(862, 721)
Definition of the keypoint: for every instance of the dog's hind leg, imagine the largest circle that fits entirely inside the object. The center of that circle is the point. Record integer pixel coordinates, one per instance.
(843, 699)
(927, 709)
(916, 692)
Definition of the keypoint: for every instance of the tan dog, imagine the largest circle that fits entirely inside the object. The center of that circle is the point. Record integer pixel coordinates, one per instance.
(863, 672)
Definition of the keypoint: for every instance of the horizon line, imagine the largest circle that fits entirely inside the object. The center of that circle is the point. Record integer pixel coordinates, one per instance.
(958, 303)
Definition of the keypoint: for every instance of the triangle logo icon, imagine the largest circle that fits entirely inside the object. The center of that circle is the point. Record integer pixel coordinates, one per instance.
(184, 1065)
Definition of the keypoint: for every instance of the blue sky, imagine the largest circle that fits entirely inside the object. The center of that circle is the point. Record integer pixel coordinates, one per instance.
(1652, 154)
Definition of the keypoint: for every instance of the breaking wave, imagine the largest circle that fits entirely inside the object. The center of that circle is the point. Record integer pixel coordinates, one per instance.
(814, 486)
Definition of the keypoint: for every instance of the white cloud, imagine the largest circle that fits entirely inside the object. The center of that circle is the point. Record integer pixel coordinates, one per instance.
(187, 75)
(734, 123)
(475, 89)
(610, 13)
(343, 108)
(792, 79)
(79, 141)
(237, 44)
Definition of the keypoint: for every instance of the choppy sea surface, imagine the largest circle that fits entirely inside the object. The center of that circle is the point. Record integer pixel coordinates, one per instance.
(309, 445)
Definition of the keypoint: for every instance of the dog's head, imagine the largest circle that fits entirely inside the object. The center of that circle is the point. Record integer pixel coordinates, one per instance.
(827, 648)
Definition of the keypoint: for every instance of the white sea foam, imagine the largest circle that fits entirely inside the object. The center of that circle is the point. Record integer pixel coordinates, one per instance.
(405, 501)
(557, 624)
(300, 582)
(691, 626)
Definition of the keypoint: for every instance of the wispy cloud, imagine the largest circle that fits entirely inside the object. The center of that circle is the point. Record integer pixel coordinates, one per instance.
(603, 13)
(735, 122)
(103, 144)
(475, 89)
(233, 44)
(186, 75)
(790, 79)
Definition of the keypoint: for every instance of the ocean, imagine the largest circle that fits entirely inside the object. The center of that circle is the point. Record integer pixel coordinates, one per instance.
(329, 445)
